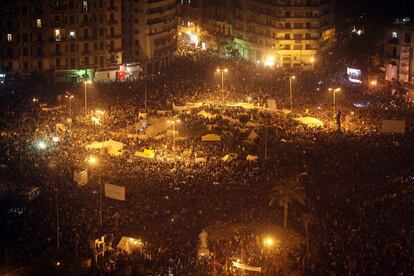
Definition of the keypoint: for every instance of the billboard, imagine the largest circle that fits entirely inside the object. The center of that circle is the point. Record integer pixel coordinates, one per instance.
(404, 64)
(354, 75)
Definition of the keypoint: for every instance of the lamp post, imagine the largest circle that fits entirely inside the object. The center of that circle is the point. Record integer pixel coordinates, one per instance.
(334, 90)
(173, 122)
(70, 105)
(86, 97)
(290, 90)
(222, 71)
(93, 161)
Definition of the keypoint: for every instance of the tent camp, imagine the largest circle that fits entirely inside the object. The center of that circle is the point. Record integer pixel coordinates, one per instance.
(129, 245)
(309, 121)
(210, 138)
(113, 147)
(252, 157)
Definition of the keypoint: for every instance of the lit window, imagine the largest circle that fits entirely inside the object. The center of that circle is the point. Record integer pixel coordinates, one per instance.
(72, 34)
(394, 35)
(85, 5)
(39, 23)
(57, 35)
(9, 37)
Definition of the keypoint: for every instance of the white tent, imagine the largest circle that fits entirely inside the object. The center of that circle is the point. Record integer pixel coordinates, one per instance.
(129, 245)
(252, 157)
(113, 147)
(205, 114)
(210, 138)
(310, 121)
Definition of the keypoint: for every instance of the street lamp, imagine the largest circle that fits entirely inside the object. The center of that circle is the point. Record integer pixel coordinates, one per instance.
(173, 122)
(41, 145)
(222, 71)
(290, 90)
(93, 162)
(334, 91)
(86, 98)
(70, 105)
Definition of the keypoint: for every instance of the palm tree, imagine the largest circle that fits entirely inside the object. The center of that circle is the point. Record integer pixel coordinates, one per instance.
(287, 192)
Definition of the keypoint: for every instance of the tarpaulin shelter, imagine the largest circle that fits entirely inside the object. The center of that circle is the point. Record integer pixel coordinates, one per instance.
(147, 153)
(210, 138)
(129, 245)
(309, 121)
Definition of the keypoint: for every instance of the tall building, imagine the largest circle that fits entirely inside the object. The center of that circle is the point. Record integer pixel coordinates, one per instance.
(68, 38)
(398, 52)
(75, 39)
(288, 33)
(150, 33)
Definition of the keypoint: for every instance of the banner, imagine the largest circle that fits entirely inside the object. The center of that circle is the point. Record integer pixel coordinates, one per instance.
(246, 267)
(393, 126)
(80, 177)
(404, 64)
(115, 192)
(391, 72)
(271, 104)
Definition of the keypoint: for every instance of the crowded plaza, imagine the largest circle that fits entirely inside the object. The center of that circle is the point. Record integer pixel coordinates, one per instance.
(215, 167)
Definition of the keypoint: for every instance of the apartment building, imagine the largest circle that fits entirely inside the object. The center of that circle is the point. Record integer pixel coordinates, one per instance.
(398, 51)
(77, 39)
(150, 33)
(288, 33)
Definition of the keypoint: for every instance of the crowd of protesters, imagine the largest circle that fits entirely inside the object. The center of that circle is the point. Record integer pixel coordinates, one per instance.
(357, 179)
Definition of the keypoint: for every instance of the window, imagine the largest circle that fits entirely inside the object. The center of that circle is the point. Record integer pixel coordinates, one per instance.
(57, 35)
(287, 25)
(407, 37)
(308, 25)
(57, 48)
(72, 47)
(9, 37)
(71, 19)
(101, 61)
(39, 51)
(287, 47)
(40, 65)
(308, 36)
(101, 31)
(39, 23)
(25, 65)
(297, 36)
(72, 63)
(85, 7)
(25, 38)
(72, 34)
(112, 45)
(86, 60)
(85, 33)
(307, 47)
(25, 52)
(287, 36)
(58, 62)
(298, 25)
(394, 35)
(101, 46)
(86, 47)
(71, 5)
(297, 47)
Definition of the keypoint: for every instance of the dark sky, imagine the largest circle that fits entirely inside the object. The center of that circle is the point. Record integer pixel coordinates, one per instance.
(376, 9)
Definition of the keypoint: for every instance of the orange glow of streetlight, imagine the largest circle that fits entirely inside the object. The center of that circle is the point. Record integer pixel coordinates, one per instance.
(92, 160)
(293, 77)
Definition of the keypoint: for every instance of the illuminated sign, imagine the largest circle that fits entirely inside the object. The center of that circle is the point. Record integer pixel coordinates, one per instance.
(354, 75)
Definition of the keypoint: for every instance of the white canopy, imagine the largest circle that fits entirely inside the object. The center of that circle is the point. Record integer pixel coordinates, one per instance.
(205, 114)
(310, 121)
(129, 245)
(114, 148)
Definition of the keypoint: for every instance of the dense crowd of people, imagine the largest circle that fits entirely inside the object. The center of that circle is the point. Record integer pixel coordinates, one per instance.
(357, 179)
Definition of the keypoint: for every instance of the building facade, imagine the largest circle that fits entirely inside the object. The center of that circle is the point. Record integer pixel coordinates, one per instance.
(288, 33)
(150, 33)
(398, 52)
(75, 39)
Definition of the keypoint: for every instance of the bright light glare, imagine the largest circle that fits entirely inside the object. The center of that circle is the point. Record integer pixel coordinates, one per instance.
(55, 139)
(269, 242)
(92, 160)
(293, 77)
(41, 145)
(269, 62)
(374, 83)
